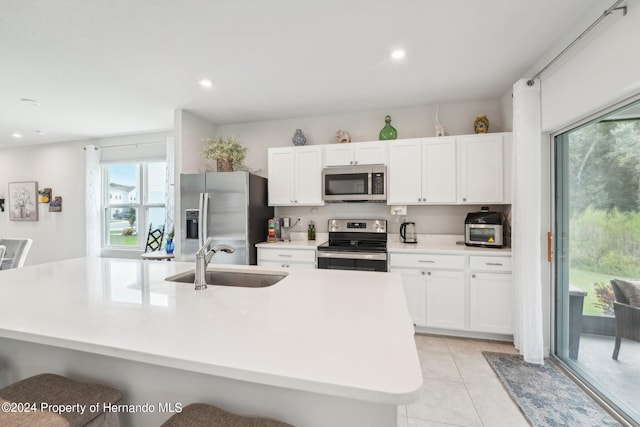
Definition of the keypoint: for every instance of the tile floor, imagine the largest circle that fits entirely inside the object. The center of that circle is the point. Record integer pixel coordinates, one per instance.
(460, 388)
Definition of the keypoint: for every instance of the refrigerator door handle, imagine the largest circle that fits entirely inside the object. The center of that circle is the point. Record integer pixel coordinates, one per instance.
(205, 217)
(200, 217)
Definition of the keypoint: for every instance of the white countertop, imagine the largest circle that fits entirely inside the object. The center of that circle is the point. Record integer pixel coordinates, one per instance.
(426, 242)
(340, 333)
(442, 243)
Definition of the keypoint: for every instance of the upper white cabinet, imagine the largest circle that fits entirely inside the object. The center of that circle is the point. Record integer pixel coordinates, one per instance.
(357, 153)
(480, 162)
(422, 171)
(295, 176)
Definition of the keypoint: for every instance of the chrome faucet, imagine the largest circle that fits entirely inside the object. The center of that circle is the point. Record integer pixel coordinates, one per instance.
(202, 260)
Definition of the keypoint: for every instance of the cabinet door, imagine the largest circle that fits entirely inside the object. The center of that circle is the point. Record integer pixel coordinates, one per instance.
(405, 174)
(491, 303)
(308, 176)
(370, 153)
(338, 155)
(414, 291)
(481, 169)
(281, 176)
(439, 172)
(445, 299)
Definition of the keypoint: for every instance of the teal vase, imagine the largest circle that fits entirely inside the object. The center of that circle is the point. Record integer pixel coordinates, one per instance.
(388, 131)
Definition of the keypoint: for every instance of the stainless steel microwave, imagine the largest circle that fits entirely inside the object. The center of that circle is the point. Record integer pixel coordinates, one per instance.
(360, 183)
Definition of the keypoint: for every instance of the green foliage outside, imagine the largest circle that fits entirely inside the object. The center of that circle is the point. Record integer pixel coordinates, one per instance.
(604, 209)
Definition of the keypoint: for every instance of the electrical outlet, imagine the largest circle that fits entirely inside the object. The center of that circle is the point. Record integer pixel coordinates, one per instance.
(398, 210)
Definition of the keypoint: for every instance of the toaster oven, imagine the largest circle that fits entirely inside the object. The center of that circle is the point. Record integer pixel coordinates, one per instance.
(486, 229)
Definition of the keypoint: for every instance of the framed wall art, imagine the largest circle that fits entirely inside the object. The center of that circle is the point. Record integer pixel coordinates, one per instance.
(23, 201)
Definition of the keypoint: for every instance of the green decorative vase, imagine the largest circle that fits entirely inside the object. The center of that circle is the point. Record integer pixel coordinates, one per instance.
(388, 131)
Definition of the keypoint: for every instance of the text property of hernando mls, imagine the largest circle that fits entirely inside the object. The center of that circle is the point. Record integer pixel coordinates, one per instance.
(79, 408)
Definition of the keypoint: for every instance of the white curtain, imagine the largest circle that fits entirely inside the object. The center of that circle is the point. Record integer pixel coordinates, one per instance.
(526, 220)
(93, 196)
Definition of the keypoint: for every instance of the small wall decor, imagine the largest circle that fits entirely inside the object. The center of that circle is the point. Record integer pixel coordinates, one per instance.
(298, 137)
(55, 205)
(388, 131)
(343, 136)
(23, 201)
(45, 195)
(481, 124)
(438, 126)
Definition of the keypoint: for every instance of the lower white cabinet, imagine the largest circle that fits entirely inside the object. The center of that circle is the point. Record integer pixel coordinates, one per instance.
(287, 258)
(491, 295)
(435, 297)
(457, 292)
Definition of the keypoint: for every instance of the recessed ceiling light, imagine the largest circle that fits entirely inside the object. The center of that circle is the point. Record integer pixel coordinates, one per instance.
(205, 83)
(16, 135)
(32, 102)
(398, 54)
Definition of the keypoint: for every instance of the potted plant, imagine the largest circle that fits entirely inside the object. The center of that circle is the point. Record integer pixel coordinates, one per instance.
(227, 151)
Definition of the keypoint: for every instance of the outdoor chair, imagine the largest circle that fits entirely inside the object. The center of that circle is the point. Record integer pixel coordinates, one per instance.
(627, 315)
(154, 238)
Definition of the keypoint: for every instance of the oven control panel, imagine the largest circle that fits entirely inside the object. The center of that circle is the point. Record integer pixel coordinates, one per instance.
(358, 225)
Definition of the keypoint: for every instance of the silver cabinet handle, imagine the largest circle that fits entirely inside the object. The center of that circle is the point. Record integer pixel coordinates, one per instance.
(473, 276)
(493, 263)
(429, 274)
(464, 199)
(427, 261)
(284, 255)
(355, 162)
(419, 199)
(422, 272)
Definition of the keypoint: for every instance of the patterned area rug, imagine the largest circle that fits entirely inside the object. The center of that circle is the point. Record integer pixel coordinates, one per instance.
(545, 395)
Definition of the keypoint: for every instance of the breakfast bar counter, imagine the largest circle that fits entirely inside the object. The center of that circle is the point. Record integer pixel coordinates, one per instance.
(320, 347)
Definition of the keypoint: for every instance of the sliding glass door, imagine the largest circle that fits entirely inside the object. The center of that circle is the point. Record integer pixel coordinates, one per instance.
(597, 229)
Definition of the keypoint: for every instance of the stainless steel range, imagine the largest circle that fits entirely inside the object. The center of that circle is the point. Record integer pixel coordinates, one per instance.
(355, 244)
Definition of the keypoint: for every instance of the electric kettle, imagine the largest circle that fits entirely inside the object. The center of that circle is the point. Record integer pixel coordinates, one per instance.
(408, 232)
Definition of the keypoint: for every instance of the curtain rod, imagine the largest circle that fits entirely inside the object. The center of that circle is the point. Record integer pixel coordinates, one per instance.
(614, 7)
(126, 145)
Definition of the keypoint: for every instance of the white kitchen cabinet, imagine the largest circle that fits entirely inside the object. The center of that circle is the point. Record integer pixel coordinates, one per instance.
(436, 297)
(357, 153)
(287, 258)
(480, 163)
(295, 176)
(446, 299)
(491, 294)
(422, 171)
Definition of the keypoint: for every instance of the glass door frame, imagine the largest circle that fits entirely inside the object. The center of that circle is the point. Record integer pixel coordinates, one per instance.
(559, 271)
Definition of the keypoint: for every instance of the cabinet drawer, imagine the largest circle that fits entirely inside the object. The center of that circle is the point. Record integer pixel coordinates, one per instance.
(300, 255)
(427, 261)
(489, 263)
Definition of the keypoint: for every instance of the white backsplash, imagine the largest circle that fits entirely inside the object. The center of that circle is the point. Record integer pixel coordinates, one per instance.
(431, 220)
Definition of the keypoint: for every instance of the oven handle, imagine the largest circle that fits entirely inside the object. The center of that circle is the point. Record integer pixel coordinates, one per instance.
(352, 255)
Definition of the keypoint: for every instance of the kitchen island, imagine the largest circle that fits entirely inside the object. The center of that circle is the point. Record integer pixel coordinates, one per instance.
(318, 348)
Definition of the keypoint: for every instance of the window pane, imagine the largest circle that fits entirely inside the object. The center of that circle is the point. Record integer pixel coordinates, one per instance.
(123, 184)
(122, 227)
(156, 217)
(157, 183)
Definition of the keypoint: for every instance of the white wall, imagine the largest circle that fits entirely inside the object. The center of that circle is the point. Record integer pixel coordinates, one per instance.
(60, 166)
(56, 235)
(410, 122)
(190, 131)
(600, 71)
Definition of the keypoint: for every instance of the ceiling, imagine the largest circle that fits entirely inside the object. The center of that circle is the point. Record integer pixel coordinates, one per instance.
(101, 68)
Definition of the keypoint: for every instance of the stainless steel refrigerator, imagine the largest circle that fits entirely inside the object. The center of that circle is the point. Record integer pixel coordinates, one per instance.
(231, 207)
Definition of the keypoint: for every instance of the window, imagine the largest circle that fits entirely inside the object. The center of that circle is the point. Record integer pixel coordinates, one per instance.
(135, 195)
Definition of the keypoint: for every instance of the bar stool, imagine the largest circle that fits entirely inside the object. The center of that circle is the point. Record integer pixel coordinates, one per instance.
(45, 391)
(201, 415)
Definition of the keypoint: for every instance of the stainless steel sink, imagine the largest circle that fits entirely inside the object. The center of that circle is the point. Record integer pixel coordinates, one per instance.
(220, 277)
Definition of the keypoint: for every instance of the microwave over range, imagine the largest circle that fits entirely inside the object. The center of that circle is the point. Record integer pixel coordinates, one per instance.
(360, 183)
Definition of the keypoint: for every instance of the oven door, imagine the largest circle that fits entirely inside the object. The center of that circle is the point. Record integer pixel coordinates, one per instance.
(360, 261)
(484, 235)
